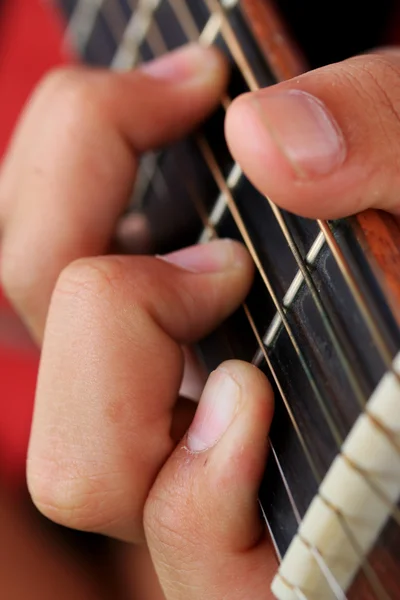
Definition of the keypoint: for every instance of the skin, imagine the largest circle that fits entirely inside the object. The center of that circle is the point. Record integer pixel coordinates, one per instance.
(114, 330)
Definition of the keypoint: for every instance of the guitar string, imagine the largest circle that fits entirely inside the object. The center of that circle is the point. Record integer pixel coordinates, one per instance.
(188, 25)
(371, 576)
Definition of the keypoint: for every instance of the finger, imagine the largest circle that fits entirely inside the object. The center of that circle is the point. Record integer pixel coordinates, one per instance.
(110, 373)
(71, 167)
(326, 144)
(201, 518)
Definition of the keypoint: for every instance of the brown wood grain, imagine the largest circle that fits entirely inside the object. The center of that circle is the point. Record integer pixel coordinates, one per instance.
(274, 39)
(379, 233)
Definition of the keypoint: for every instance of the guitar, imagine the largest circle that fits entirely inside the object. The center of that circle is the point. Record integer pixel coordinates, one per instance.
(322, 318)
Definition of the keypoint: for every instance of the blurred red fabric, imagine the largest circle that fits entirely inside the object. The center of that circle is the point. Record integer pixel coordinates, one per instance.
(30, 45)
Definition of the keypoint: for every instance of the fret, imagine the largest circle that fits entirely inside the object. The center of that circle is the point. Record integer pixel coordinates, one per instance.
(292, 292)
(101, 45)
(82, 22)
(220, 206)
(127, 53)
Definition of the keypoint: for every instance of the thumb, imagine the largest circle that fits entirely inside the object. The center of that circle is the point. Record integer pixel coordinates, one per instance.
(326, 144)
(201, 518)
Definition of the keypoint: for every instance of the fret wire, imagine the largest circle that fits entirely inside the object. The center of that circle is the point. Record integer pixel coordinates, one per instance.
(293, 289)
(126, 55)
(210, 159)
(82, 23)
(248, 74)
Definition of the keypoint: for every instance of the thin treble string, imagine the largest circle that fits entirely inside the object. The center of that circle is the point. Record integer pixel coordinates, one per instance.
(248, 74)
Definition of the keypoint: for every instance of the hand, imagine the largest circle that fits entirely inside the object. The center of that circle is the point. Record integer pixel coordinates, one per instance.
(111, 366)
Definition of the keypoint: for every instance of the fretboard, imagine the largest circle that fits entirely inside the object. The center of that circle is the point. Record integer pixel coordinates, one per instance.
(316, 320)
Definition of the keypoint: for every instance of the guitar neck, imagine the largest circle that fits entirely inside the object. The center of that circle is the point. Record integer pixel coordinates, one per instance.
(319, 319)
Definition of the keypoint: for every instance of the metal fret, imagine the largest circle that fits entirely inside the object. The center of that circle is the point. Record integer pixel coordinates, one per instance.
(293, 290)
(82, 22)
(220, 206)
(127, 54)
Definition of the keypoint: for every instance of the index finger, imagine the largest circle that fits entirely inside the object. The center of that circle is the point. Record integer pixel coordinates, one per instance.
(71, 166)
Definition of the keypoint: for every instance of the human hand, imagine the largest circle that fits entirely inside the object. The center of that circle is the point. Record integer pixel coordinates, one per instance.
(100, 449)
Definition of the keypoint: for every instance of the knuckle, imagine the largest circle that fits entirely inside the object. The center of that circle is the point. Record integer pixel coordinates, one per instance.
(74, 96)
(67, 84)
(89, 279)
(377, 81)
(68, 495)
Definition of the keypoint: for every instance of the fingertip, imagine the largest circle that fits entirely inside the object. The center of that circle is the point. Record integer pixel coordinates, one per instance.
(192, 64)
(252, 381)
(252, 146)
(237, 396)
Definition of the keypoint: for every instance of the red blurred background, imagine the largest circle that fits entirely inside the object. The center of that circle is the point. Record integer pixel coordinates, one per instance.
(30, 45)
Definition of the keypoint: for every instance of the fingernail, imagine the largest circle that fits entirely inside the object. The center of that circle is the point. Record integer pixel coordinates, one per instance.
(213, 257)
(216, 410)
(187, 63)
(303, 129)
